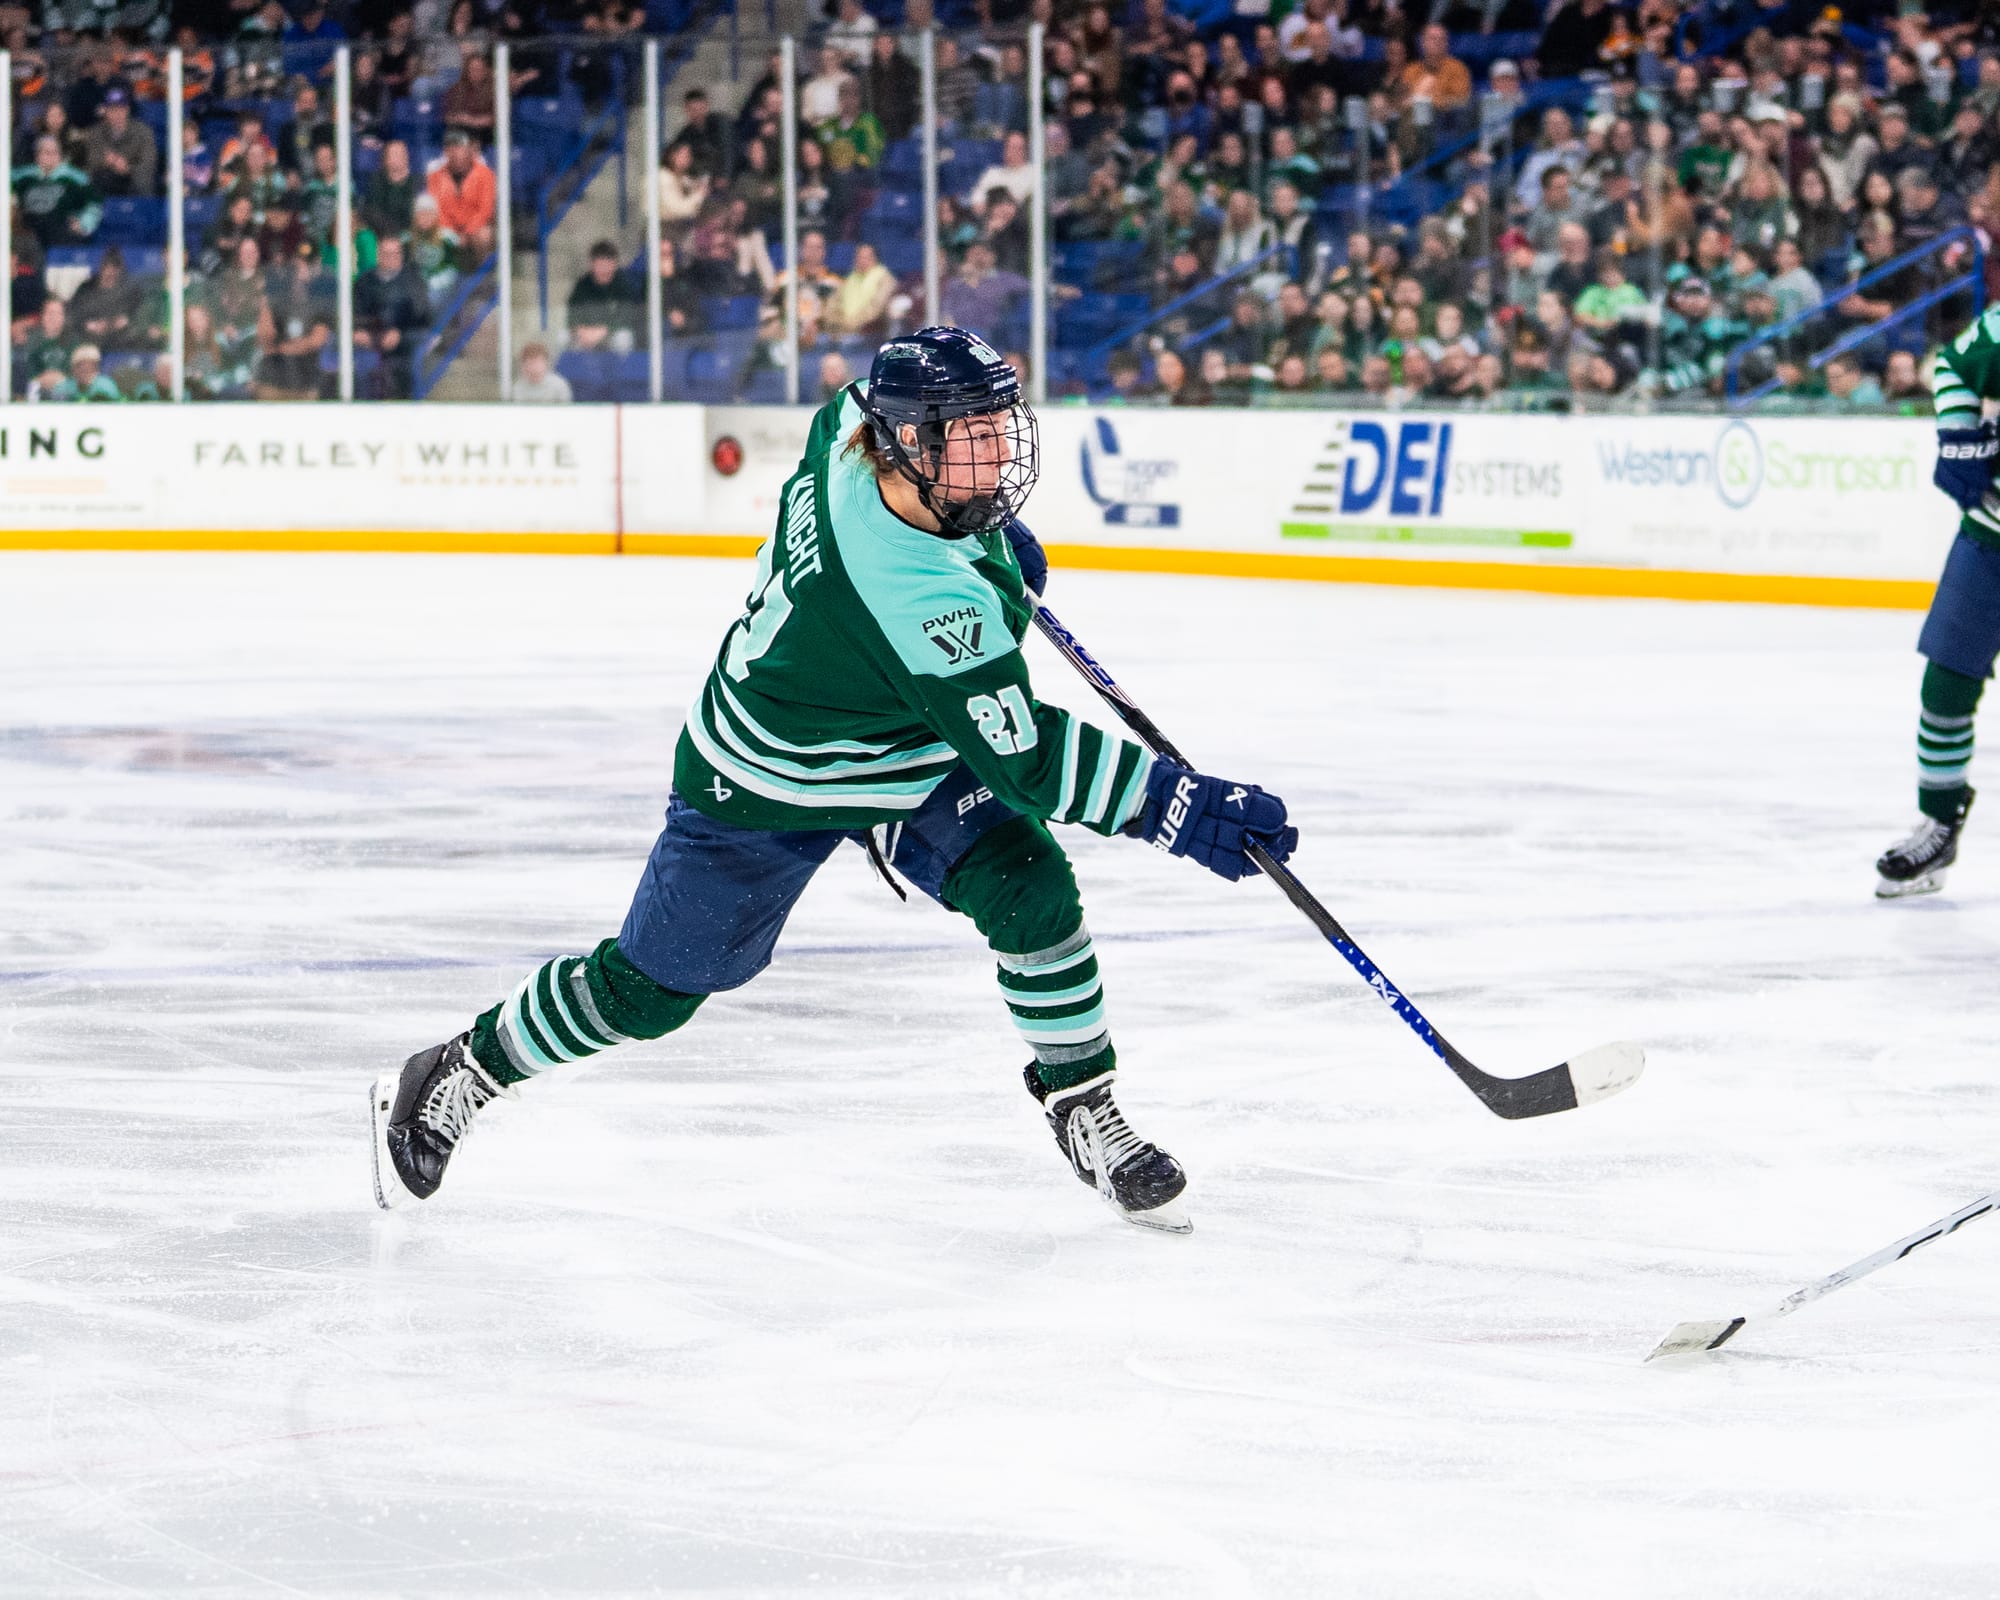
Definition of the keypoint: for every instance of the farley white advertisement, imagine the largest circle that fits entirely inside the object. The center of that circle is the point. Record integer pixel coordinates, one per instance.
(443, 469)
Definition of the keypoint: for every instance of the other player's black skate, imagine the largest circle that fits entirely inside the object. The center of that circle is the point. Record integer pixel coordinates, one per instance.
(420, 1115)
(1917, 864)
(1139, 1181)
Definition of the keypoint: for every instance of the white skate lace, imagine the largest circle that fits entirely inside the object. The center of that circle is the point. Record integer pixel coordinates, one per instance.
(1925, 836)
(1102, 1142)
(449, 1108)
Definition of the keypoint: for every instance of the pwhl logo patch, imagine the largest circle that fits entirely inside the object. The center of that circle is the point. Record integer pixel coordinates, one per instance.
(957, 633)
(1125, 487)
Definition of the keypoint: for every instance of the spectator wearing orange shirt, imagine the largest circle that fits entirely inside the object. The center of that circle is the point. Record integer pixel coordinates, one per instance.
(464, 189)
(1437, 75)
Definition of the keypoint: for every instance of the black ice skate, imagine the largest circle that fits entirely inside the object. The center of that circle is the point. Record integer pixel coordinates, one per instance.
(421, 1114)
(1917, 865)
(1139, 1181)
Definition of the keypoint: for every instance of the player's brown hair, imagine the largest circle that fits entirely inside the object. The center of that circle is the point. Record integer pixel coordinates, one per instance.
(862, 442)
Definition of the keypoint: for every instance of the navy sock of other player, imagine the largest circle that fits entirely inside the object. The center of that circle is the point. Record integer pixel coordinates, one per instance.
(873, 691)
(1961, 635)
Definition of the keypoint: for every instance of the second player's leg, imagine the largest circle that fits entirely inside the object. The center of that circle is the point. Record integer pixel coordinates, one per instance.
(1961, 637)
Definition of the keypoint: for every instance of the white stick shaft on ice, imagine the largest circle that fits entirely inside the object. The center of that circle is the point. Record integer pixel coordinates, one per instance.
(1689, 1337)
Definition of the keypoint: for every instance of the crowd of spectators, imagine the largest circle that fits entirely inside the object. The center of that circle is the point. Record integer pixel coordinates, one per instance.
(1298, 199)
(1696, 206)
(1609, 213)
(260, 173)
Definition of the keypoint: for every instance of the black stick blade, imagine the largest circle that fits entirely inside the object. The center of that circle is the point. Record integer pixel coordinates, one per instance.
(1582, 1080)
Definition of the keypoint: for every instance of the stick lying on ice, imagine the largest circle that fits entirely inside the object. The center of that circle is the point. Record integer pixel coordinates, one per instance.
(1690, 1337)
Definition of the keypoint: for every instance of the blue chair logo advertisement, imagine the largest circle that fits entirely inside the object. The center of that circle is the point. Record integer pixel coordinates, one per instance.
(1123, 486)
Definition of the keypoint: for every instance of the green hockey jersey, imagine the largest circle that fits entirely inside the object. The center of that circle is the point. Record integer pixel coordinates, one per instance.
(1968, 372)
(872, 658)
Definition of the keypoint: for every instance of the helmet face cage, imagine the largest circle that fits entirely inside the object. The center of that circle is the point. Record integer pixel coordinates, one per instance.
(974, 471)
(949, 414)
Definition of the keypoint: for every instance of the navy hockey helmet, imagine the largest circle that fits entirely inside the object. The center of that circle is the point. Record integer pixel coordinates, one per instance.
(973, 476)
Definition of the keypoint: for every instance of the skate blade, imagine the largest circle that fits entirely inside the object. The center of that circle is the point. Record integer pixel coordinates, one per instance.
(1892, 889)
(1170, 1218)
(381, 1095)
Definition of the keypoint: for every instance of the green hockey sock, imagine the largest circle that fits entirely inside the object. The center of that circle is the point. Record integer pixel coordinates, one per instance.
(1944, 740)
(1057, 1002)
(1017, 886)
(572, 1008)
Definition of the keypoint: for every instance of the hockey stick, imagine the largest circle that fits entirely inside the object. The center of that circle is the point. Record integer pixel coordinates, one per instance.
(1690, 1337)
(1595, 1075)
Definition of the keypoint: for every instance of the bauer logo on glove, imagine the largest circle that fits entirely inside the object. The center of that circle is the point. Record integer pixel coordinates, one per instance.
(1213, 820)
(1966, 458)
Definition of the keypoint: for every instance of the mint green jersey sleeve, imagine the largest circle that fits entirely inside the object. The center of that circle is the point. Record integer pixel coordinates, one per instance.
(1968, 372)
(1037, 758)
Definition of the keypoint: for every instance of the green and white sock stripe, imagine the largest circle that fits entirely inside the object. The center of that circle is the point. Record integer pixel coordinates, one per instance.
(552, 1018)
(1103, 778)
(1944, 751)
(1057, 1000)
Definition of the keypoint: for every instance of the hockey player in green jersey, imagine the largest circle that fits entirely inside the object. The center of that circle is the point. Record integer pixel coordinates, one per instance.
(1961, 636)
(874, 690)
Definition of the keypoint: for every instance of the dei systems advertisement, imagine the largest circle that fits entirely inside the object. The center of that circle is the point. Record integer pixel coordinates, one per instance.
(1812, 496)
(1302, 481)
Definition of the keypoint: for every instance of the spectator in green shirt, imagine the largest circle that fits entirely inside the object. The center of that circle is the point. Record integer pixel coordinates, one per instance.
(1612, 300)
(604, 301)
(434, 250)
(57, 202)
(1849, 387)
(87, 382)
(853, 138)
(853, 144)
(45, 355)
(1704, 165)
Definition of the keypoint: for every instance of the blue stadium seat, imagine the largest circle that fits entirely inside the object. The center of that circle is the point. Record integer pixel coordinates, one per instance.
(766, 387)
(840, 256)
(130, 220)
(901, 256)
(903, 206)
(726, 312)
(629, 380)
(199, 211)
(588, 372)
(904, 159)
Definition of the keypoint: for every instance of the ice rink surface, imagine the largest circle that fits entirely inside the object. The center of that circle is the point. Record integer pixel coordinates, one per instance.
(802, 1301)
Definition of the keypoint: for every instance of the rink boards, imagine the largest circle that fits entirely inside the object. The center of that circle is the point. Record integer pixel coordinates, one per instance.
(1814, 511)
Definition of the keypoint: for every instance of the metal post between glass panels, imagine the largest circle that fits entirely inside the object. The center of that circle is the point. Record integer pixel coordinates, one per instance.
(176, 229)
(655, 332)
(788, 70)
(1038, 226)
(7, 229)
(1358, 125)
(503, 214)
(932, 274)
(343, 220)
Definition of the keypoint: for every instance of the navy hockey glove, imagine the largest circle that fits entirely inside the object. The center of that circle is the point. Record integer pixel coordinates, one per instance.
(1028, 555)
(1965, 462)
(1212, 820)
